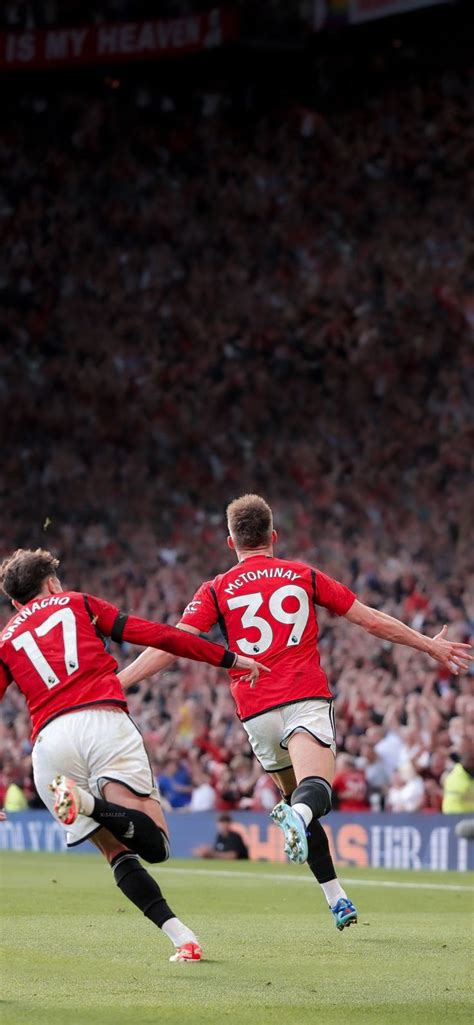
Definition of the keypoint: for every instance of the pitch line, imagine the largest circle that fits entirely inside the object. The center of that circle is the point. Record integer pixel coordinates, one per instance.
(271, 877)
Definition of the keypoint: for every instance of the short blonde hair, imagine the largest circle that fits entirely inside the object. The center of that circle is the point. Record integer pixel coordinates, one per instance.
(250, 522)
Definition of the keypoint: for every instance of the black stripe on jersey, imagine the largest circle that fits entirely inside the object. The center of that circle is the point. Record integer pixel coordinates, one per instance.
(118, 627)
(313, 584)
(220, 617)
(7, 670)
(93, 620)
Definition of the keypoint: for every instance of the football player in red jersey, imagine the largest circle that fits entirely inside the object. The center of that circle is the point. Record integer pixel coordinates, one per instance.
(267, 607)
(103, 788)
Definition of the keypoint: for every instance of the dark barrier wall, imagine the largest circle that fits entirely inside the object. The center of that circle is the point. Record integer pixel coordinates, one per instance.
(377, 841)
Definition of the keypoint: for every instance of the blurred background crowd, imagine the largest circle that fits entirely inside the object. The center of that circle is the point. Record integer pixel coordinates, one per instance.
(209, 292)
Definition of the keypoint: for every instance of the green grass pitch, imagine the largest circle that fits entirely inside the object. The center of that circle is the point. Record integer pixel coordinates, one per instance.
(77, 953)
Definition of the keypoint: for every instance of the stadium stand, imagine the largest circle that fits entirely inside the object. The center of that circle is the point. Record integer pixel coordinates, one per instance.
(204, 301)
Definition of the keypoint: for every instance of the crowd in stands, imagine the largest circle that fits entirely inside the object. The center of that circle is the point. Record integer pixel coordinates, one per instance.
(200, 306)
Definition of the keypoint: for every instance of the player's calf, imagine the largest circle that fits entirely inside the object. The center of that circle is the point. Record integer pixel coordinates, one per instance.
(142, 890)
(322, 866)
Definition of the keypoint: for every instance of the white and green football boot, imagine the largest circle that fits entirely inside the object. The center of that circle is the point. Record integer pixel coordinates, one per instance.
(294, 828)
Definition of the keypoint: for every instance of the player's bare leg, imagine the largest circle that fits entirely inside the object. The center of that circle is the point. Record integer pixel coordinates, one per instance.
(142, 890)
(313, 766)
(136, 821)
(309, 758)
(117, 793)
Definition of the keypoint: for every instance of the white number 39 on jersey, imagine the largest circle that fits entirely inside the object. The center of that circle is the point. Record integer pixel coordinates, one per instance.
(253, 602)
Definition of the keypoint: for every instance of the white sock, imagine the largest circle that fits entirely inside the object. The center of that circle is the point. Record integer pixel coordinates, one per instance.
(305, 811)
(87, 801)
(332, 891)
(177, 932)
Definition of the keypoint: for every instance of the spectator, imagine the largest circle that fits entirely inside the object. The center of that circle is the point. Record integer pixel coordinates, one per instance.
(203, 797)
(458, 789)
(175, 784)
(228, 844)
(350, 785)
(265, 794)
(376, 774)
(406, 793)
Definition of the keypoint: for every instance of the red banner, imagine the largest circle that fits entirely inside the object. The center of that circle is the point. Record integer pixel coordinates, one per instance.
(107, 44)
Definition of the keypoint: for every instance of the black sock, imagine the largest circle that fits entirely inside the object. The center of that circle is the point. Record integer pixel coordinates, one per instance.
(135, 829)
(136, 884)
(319, 856)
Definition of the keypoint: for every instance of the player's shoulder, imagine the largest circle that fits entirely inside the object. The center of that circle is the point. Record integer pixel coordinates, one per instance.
(295, 564)
(82, 597)
(292, 569)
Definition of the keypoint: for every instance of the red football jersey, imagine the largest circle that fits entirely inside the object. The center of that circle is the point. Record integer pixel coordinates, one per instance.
(266, 608)
(53, 649)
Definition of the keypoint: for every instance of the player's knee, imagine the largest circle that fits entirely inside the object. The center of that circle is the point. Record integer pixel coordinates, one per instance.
(155, 848)
(316, 792)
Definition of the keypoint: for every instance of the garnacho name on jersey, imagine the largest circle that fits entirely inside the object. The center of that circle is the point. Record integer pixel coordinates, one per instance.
(29, 610)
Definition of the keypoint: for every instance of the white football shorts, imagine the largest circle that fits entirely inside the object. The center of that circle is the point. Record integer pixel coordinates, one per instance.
(270, 732)
(89, 745)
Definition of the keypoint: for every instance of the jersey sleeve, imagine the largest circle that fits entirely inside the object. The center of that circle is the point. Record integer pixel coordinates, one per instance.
(201, 611)
(332, 595)
(121, 627)
(103, 614)
(168, 638)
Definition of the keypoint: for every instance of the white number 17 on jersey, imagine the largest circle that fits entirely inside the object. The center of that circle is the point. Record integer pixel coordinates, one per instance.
(27, 642)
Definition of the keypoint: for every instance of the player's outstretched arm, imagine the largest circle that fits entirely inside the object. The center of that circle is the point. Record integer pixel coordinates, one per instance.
(150, 662)
(181, 643)
(452, 654)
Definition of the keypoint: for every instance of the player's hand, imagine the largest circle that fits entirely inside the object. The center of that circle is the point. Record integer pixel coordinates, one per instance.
(255, 668)
(452, 654)
(3, 816)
